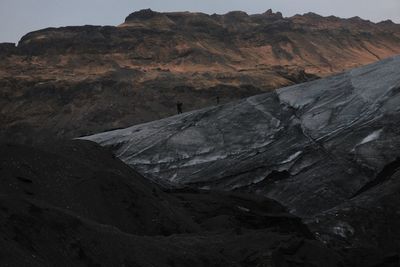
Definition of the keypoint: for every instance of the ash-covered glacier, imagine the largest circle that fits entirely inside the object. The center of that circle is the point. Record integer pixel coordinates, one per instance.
(311, 146)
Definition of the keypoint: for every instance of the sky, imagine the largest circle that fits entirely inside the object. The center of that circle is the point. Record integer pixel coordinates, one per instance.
(18, 17)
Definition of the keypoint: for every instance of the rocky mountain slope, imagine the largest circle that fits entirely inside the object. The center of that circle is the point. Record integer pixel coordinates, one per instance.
(327, 149)
(75, 204)
(74, 81)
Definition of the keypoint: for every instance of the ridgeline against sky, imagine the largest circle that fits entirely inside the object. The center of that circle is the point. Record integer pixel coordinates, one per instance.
(18, 17)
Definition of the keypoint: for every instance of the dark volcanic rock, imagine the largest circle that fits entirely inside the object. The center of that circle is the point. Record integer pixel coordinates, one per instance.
(7, 49)
(314, 147)
(142, 15)
(84, 179)
(74, 204)
(34, 234)
(366, 220)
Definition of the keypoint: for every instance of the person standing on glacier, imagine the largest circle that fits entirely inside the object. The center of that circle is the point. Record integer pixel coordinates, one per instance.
(179, 107)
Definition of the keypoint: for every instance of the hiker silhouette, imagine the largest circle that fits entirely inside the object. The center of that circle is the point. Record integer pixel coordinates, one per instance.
(179, 107)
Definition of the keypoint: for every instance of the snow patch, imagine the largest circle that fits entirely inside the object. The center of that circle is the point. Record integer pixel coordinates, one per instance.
(292, 157)
(173, 178)
(243, 209)
(371, 137)
(343, 229)
(204, 159)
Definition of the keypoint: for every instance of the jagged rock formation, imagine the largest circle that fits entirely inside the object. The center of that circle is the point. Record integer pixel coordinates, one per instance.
(75, 81)
(322, 148)
(74, 204)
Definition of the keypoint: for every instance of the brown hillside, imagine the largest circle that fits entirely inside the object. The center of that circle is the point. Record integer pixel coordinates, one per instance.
(75, 81)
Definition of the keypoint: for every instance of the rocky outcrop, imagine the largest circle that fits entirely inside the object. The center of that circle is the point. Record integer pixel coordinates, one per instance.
(314, 147)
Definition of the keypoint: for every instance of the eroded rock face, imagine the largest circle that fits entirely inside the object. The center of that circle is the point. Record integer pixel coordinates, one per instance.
(312, 146)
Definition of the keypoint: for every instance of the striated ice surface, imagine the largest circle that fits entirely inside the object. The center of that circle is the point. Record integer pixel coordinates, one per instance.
(310, 146)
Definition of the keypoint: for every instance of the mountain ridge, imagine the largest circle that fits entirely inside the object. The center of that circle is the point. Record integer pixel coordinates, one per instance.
(85, 79)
